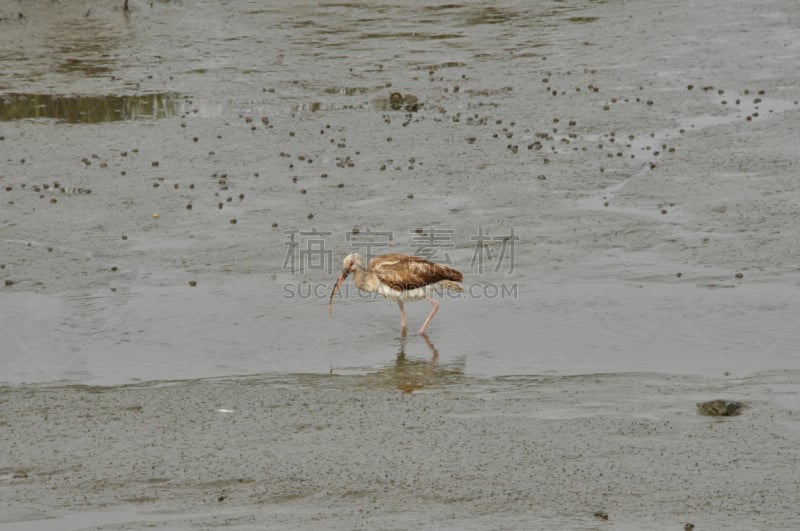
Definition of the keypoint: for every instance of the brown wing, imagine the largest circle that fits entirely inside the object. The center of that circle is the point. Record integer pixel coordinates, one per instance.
(403, 271)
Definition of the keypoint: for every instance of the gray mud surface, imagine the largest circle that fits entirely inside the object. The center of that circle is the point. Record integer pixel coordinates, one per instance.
(617, 180)
(346, 452)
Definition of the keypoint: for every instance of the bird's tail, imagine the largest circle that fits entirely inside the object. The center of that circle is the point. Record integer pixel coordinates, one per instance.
(449, 284)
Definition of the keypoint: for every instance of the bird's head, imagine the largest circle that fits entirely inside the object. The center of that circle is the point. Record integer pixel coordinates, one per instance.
(351, 262)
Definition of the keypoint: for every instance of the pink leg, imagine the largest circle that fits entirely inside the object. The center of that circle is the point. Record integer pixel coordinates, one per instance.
(402, 318)
(430, 315)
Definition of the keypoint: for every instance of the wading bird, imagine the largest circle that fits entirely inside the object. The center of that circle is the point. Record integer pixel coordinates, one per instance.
(401, 278)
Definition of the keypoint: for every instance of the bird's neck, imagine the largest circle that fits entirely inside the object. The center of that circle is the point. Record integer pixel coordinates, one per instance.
(365, 280)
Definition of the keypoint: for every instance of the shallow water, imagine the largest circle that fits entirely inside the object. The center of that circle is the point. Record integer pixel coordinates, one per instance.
(599, 208)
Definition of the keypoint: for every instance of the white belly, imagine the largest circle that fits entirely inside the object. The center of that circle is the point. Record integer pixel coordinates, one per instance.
(408, 295)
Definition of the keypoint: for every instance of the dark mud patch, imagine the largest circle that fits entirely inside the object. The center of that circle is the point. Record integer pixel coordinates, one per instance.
(720, 408)
(583, 20)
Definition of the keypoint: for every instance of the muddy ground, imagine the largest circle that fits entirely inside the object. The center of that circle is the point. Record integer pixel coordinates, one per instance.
(353, 452)
(178, 184)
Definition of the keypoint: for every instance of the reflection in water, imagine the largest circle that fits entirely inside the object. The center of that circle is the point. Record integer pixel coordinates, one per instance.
(411, 375)
(89, 109)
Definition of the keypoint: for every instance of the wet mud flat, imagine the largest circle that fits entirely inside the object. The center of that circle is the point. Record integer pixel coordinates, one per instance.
(356, 452)
(156, 165)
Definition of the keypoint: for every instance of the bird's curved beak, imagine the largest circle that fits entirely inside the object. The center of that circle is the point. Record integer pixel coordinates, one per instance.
(336, 286)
